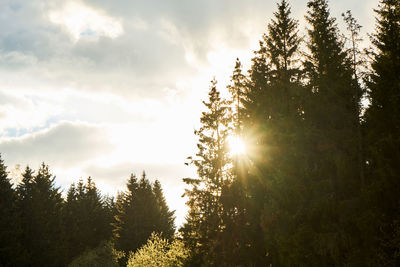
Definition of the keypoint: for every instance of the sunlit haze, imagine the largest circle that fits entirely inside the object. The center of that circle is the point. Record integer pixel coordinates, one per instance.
(109, 88)
(236, 146)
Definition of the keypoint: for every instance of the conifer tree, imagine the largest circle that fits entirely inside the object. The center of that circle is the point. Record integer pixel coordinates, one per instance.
(204, 219)
(282, 174)
(382, 136)
(10, 227)
(237, 89)
(40, 204)
(166, 217)
(138, 215)
(86, 220)
(332, 175)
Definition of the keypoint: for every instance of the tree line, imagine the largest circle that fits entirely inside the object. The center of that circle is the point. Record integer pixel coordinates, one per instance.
(40, 228)
(318, 184)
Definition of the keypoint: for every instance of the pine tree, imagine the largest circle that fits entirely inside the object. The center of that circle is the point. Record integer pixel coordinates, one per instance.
(40, 205)
(166, 217)
(382, 136)
(86, 219)
(10, 227)
(204, 219)
(237, 89)
(137, 216)
(282, 168)
(332, 175)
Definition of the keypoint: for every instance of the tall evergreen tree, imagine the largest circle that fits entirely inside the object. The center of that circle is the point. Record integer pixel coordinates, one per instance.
(40, 204)
(382, 136)
(138, 215)
(237, 89)
(204, 219)
(10, 227)
(86, 219)
(166, 218)
(330, 111)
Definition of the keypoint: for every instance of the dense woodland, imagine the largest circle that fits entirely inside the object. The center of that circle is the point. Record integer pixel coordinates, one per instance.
(318, 185)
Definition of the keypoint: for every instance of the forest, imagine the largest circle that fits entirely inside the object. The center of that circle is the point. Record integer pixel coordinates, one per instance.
(299, 166)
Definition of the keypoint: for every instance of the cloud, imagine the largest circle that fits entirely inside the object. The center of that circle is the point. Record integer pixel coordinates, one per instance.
(62, 145)
(104, 88)
(81, 20)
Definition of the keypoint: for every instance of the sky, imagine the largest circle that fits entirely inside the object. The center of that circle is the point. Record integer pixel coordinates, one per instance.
(108, 88)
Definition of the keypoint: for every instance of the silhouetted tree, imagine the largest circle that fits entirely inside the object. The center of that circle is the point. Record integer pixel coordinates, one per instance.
(86, 219)
(40, 205)
(11, 253)
(139, 214)
(204, 219)
(382, 137)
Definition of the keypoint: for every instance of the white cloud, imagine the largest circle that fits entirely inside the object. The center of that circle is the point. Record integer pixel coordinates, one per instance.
(80, 20)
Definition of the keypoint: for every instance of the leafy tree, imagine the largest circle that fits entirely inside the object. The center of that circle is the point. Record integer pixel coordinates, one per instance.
(102, 255)
(159, 252)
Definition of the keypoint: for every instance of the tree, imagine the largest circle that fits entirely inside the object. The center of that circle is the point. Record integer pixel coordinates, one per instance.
(237, 89)
(102, 255)
(166, 218)
(40, 204)
(11, 253)
(382, 120)
(159, 252)
(86, 219)
(331, 116)
(139, 214)
(204, 219)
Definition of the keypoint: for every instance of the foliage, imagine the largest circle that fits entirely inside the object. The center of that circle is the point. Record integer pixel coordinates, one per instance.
(140, 211)
(11, 253)
(212, 162)
(40, 203)
(86, 219)
(159, 252)
(103, 255)
(382, 120)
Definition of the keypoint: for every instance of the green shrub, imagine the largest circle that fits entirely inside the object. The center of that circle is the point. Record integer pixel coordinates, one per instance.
(103, 255)
(159, 252)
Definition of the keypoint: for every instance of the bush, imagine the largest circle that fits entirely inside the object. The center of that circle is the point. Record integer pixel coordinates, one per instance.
(159, 252)
(103, 255)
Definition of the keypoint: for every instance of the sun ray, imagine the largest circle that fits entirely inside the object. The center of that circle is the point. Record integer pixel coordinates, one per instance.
(236, 146)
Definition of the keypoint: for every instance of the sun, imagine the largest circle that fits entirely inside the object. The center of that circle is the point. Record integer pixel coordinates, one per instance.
(236, 146)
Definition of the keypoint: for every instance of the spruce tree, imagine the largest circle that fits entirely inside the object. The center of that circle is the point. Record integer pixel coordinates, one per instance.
(282, 167)
(382, 120)
(166, 217)
(332, 175)
(40, 203)
(86, 222)
(204, 220)
(10, 225)
(138, 215)
(237, 89)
